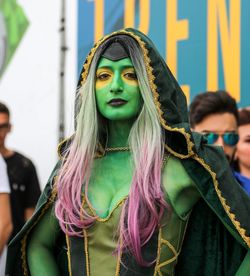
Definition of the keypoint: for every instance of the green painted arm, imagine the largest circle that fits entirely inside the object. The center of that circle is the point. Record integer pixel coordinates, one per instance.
(181, 192)
(244, 269)
(41, 259)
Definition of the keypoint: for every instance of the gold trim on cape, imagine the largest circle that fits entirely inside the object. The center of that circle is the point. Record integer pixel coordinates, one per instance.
(226, 207)
(51, 199)
(158, 253)
(68, 251)
(60, 146)
(85, 234)
(118, 262)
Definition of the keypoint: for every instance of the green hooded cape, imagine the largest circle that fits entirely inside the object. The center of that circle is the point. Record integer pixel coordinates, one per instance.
(209, 248)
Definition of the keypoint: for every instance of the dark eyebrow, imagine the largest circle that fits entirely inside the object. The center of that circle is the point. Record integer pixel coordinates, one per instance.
(207, 130)
(215, 131)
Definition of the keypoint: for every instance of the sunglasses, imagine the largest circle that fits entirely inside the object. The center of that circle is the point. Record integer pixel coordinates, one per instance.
(229, 138)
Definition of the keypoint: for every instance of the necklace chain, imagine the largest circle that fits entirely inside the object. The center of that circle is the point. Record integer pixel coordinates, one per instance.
(164, 161)
(117, 149)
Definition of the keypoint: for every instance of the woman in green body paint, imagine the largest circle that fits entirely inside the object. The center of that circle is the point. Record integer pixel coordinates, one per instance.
(136, 193)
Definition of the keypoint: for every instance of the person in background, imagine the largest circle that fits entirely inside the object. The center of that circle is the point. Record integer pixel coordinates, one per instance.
(215, 114)
(24, 185)
(242, 155)
(5, 214)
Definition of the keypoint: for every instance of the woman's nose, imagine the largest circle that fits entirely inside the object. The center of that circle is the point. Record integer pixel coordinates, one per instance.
(117, 84)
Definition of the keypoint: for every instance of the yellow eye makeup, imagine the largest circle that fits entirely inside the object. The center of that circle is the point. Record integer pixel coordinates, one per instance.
(129, 76)
(103, 77)
(120, 72)
(103, 74)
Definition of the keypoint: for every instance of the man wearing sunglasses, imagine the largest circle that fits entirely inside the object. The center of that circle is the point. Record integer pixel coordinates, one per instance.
(215, 114)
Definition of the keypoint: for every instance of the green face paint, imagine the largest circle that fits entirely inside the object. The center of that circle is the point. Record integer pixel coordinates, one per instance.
(118, 95)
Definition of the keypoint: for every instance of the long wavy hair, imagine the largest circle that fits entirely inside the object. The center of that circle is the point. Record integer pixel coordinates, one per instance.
(145, 205)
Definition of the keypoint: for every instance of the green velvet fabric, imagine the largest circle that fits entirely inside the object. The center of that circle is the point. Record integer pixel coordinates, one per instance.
(208, 248)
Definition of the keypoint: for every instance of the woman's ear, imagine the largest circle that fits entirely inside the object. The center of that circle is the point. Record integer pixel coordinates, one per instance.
(235, 157)
(10, 128)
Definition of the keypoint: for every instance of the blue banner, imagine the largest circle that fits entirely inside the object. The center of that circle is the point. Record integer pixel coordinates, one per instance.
(206, 44)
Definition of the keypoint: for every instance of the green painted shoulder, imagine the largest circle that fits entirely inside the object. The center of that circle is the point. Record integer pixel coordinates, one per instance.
(174, 173)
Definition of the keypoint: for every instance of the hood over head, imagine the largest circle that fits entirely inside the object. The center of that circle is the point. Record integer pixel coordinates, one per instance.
(168, 97)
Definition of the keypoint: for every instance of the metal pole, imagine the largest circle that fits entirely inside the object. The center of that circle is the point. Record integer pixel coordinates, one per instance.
(63, 49)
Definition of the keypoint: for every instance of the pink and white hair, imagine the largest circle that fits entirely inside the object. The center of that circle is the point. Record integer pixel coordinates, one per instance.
(145, 205)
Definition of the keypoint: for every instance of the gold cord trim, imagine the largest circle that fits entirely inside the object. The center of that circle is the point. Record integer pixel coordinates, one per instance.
(176, 154)
(100, 152)
(232, 216)
(85, 234)
(159, 273)
(51, 199)
(165, 159)
(68, 251)
(118, 264)
(167, 243)
(59, 147)
(158, 253)
(121, 202)
(153, 87)
(159, 265)
(23, 256)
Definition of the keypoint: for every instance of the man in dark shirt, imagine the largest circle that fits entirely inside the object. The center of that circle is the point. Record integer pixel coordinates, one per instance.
(23, 180)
